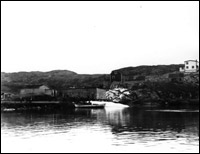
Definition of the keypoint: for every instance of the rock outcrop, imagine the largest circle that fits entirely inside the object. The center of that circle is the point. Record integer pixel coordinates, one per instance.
(164, 92)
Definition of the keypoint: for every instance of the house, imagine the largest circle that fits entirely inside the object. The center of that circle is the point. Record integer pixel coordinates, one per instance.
(38, 90)
(190, 66)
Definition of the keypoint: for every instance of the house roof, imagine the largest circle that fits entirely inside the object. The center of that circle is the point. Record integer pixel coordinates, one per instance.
(191, 60)
(34, 86)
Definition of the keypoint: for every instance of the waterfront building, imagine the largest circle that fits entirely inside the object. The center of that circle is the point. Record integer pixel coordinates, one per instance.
(32, 90)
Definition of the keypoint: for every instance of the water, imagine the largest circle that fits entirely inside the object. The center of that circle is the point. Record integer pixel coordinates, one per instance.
(101, 130)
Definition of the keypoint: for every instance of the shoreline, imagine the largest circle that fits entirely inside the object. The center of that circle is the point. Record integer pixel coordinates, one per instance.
(60, 105)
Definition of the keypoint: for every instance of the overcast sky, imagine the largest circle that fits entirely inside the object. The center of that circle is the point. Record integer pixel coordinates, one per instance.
(97, 37)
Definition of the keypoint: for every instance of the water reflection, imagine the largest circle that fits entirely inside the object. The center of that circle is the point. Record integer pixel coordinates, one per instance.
(147, 126)
(129, 127)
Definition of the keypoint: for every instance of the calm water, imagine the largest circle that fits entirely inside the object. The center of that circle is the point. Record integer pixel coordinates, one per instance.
(101, 130)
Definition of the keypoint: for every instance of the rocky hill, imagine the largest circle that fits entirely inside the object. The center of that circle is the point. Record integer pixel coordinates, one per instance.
(162, 83)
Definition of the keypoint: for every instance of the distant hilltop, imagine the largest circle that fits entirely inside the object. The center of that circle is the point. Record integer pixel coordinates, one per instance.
(150, 70)
(63, 72)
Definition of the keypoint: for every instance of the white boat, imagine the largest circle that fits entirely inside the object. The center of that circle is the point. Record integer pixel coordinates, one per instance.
(10, 109)
(89, 105)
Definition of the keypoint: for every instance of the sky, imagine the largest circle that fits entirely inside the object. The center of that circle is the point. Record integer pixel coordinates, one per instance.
(97, 37)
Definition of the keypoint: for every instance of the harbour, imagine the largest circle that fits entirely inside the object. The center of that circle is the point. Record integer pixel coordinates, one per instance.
(111, 129)
(100, 77)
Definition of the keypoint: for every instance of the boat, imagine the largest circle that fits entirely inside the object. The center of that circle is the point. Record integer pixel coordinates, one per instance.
(89, 105)
(10, 109)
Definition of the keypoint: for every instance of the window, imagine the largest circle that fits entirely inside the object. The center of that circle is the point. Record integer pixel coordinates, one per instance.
(186, 63)
(192, 66)
(186, 67)
(197, 66)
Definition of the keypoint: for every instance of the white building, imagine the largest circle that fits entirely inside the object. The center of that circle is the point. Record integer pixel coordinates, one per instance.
(190, 66)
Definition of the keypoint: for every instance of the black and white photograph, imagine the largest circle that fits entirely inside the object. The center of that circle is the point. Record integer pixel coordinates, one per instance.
(99, 76)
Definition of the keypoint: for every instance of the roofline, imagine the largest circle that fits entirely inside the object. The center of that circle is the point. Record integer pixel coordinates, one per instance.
(6, 93)
(118, 71)
(35, 86)
(191, 60)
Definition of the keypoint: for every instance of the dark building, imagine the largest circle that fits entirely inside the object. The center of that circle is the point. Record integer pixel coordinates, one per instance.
(115, 76)
(125, 77)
